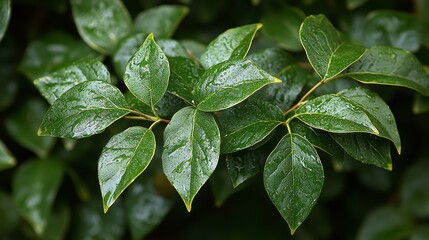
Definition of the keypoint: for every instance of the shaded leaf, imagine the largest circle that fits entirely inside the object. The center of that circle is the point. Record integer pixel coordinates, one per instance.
(9, 75)
(414, 192)
(147, 72)
(22, 126)
(193, 48)
(272, 60)
(420, 104)
(162, 20)
(232, 44)
(421, 233)
(86, 109)
(229, 83)
(172, 48)
(390, 66)
(293, 178)
(191, 151)
(9, 214)
(122, 160)
(220, 184)
(7, 160)
(127, 46)
(53, 85)
(5, 9)
(248, 123)
(353, 4)
(58, 224)
(34, 187)
(243, 166)
(101, 23)
(185, 74)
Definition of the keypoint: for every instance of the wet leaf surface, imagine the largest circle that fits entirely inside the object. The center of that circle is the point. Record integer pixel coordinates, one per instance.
(125, 49)
(243, 166)
(272, 60)
(220, 184)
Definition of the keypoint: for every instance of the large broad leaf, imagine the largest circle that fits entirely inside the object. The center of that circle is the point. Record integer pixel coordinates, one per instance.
(191, 151)
(101, 23)
(243, 166)
(327, 52)
(246, 124)
(23, 123)
(366, 148)
(391, 66)
(293, 178)
(185, 74)
(86, 109)
(162, 20)
(378, 111)
(147, 72)
(335, 113)
(230, 45)
(53, 85)
(7, 160)
(34, 187)
(414, 191)
(4, 16)
(122, 160)
(229, 83)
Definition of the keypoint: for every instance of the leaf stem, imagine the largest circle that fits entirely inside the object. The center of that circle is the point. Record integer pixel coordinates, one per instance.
(305, 96)
(145, 117)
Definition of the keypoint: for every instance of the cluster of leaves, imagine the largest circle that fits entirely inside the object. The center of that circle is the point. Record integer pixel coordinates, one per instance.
(206, 108)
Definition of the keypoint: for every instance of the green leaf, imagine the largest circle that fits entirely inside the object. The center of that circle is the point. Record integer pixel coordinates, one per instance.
(147, 72)
(34, 187)
(86, 109)
(421, 233)
(272, 60)
(232, 44)
(7, 160)
(101, 23)
(390, 66)
(229, 83)
(220, 184)
(22, 126)
(293, 178)
(57, 226)
(191, 151)
(162, 20)
(5, 9)
(327, 52)
(366, 148)
(122, 160)
(243, 166)
(53, 52)
(335, 113)
(185, 75)
(193, 48)
(385, 223)
(9, 76)
(378, 111)
(145, 207)
(420, 104)
(248, 123)
(9, 215)
(53, 85)
(172, 48)
(127, 46)
(282, 25)
(414, 192)
(353, 4)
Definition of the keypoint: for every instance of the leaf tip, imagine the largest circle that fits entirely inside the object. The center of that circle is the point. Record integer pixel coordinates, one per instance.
(389, 167)
(276, 80)
(259, 26)
(292, 231)
(40, 132)
(150, 36)
(105, 208)
(188, 206)
(398, 149)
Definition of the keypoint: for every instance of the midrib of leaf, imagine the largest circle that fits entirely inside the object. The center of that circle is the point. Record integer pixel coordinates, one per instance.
(330, 59)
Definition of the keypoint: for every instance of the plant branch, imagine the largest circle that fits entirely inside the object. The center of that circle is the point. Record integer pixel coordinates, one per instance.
(305, 96)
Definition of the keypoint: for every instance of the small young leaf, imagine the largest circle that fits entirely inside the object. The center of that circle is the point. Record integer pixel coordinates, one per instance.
(191, 151)
(34, 187)
(7, 160)
(162, 20)
(229, 83)
(390, 66)
(230, 45)
(248, 123)
(53, 85)
(86, 109)
(327, 52)
(4, 16)
(101, 23)
(147, 72)
(335, 113)
(122, 160)
(243, 166)
(293, 178)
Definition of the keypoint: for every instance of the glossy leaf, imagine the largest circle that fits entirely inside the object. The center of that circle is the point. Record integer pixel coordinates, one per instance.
(272, 60)
(53, 85)
(5, 7)
(7, 160)
(146, 207)
(22, 126)
(243, 166)
(248, 123)
(191, 151)
(414, 192)
(327, 52)
(229, 83)
(390, 66)
(185, 75)
(162, 20)
(127, 46)
(101, 23)
(172, 48)
(86, 109)
(147, 72)
(282, 24)
(378, 111)
(220, 184)
(293, 178)
(166, 107)
(34, 187)
(193, 48)
(53, 52)
(366, 148)
(335, 113)
(232, 44)
(122, 160)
